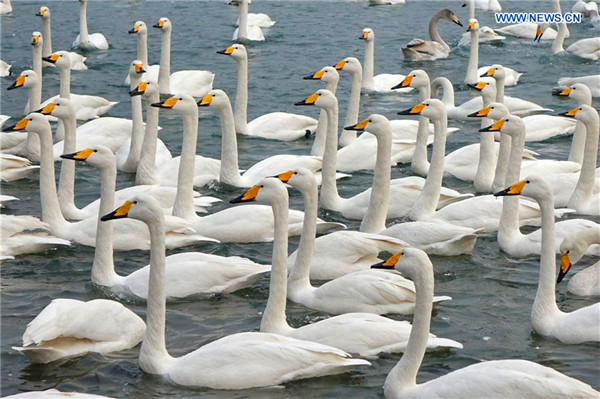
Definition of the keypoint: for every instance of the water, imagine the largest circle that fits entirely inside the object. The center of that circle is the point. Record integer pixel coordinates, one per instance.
(493, 294)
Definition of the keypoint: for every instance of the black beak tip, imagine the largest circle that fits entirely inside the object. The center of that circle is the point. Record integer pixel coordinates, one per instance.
(405, 112)
(236, 200)
(157, 105)
(473, 115)
(303, 102)
(221, 52)
(459, 24)
(309, 77)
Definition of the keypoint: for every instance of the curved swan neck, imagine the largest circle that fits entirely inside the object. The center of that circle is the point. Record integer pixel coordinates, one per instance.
(243, 20)
(448, 90)
(47, 35)
(471, 76)
(427, 201)
(184, 205)
(419, 164)
(83, 29)
(509, 218)
(433, 30)
(103, 267)
(376, 214)
(318, 147)
(329, 198)
(142, 48)
(273, 319)
(241, 98)
(585, 185)
(145, 173)
(66, 183)
(368, 68)
(164, 72)
(300, 275)
(230, 173)
(349, 136)
(153, 354)
(404, 374)
(557, 44)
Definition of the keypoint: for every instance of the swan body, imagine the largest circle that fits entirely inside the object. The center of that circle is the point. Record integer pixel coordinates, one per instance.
(419, 49)
(55, 394)
(68, 328)
(487, 5)
(274, 125)
(573, 327)
(572, 248)
(190, 82)
(249, 28)
(4, 68)
(386, 2)
(25, 235)
(253, 33)
(526, 30)
(261, 20)
(591, 81)
(85, 40)
(5, 7)
(261, 359)
(586, 8)
(496, 379)
(586, 48)
(14, 168)
(77, 60)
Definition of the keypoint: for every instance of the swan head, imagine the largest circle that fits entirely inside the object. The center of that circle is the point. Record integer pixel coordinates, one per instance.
(496, 71)
(578, 91)
(145, 89)
(60, 59)
(182, 104)
(487, 87)
(533, 186)
(236, 51)
(473, 25)
(431, 108)
(376, 124)
(215, 98)
(572, 250)
(322, 98)
(510, 124)
(301, 179)
(98, 156)
(60, 108)
(494, 110)
(450, 16)
(43, 12)
(28, 78)
(36, 39)
(349, 64)
(409, 262)
(139, 27)
(34, 123)
(326, 74)
(367, 35)
(144, 208)
(164, 24)
(583, 113)
(416, 78)
(136, 68)
(539, 31)
(268, 191)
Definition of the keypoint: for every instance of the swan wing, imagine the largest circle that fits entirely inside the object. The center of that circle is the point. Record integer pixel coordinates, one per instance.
(193, 83)
(282, 126)
(278, 164)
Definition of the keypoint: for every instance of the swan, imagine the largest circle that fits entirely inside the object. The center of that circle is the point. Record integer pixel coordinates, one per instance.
(591, 81)
(229, 172)
(485, 35)
(586, 8)
(363, 291)
(13, 167)
(362, 333)
(246, 30)
(86, 41)
(588, 48)
(274, 125)
(4, 69)
(512, 378)
(487, 5)
(127, 236)
(68, 328)
(191, 82)
(259, 359)
(237, 224)
(419, 49)
(77, 60)
(510, 238)
(526, 30)
(86, 106)
(151, 71)
(547, 319)
(473, 32)
(259, 19)
(25, 235)
(573, 247)
(5, 7)
(404, 190)
(383, 82)
(386, 2)
(56, 394)
(188, 273)
(6, 198)
(582, 95)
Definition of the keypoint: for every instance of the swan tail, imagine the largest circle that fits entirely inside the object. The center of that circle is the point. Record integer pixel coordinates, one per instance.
(441, 298)
(443, 343)
(447, 201)
(40, 355)
(325, 227)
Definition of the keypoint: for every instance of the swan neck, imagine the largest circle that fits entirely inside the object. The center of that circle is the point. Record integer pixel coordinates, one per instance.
(545, 298)
(484, 178)
(433, 30)
(500, 90)
(66, 183)
(300, 276)
(448, 90)
(369, 61)
(47, 34)
(184, 206)
(145, 173)
(83, 29)
(241, 98)
(471, 76)
(578, 143)
(330, 199)
(509, 218)
(142, 48)
(557, 44)
(243, 21)
(33, 103)
(349, 136)
(65, 83)
(501, 165)
(164, 72)
(137, 130)
(318, 147)
(419, 164)
(230, 173)
(585, 185)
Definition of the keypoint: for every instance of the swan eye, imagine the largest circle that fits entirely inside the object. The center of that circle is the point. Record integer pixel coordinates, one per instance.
(370, 121)
(262, 186)
(180, 99)
(527, 181)
(573, 88)
(492, 107)
(135, 202)
(568, 251)
(95, 150)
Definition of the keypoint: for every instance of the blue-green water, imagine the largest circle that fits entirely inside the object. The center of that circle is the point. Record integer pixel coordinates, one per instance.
(490, 313)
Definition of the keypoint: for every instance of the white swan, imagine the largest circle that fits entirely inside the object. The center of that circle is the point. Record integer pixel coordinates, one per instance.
(383, 82)
(573, 247)
(69, 327)
(591, 81)
(86, 106)
(4, 69)
(547, 319)
(25, 235)
(128, 236)
(13, 167)
(386, 2)
(56, 394)
(363, 291)
(229, 172)
(588, 48)
(486, 35)
(6, 198)
(237, 224)
(140, 30)
(487, 5)
(187, 273)
(274, 125)
(419, 49)
(191, 82)
(260, 359)
(246, 30)
(5, 7)
(586, 8)
(526, 30)
(77, 60)
(362, 333)
(487, 379)
(85, 40)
